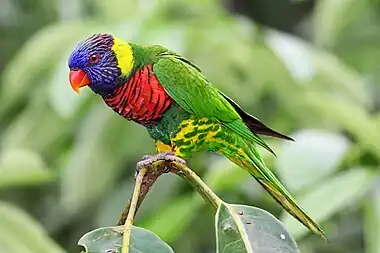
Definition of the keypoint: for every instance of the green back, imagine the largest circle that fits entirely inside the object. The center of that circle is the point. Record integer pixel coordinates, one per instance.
(195, 94)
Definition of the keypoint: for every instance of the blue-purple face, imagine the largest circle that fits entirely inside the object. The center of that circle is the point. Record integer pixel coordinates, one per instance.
(94, 63)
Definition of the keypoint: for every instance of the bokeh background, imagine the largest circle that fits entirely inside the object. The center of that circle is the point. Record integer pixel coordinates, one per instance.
(309, 69)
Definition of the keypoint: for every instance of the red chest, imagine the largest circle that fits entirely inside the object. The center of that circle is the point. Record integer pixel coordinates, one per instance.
(141, 99)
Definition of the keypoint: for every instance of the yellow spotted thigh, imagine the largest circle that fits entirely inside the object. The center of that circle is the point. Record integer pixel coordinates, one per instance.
(203, 134)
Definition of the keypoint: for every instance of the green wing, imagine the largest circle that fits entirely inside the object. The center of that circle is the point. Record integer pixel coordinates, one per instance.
(190, 89)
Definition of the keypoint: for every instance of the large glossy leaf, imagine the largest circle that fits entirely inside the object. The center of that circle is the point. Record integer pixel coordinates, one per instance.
(110, 239)
(19, 233)
(315, 155)
(241, 228)
(330, 196)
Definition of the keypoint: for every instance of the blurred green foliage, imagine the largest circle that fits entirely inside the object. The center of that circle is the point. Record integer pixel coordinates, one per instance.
(66, 161)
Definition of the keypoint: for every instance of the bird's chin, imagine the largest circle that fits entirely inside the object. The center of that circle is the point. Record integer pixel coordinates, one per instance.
(102, 90)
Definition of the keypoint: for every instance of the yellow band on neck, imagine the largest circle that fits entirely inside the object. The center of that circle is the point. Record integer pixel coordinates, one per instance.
(124, 55)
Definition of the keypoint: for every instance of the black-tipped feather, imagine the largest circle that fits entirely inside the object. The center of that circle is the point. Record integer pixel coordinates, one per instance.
(255, 125)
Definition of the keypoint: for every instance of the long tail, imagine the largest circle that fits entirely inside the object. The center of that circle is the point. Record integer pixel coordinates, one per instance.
(268, 180)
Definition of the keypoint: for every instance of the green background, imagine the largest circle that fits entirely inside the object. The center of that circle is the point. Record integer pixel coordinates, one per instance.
(309, 69)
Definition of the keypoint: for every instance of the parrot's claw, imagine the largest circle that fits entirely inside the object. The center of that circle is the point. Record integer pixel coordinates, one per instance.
(165, 156)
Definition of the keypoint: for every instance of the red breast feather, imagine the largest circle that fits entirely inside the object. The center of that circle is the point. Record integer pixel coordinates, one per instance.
(141, 99)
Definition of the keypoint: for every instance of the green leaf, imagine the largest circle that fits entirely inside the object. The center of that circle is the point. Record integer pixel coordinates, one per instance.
(19, 233)
(372, 221)
(315, 155)
(241, 228)
(110, 239)
(330, 196)
(20, 167)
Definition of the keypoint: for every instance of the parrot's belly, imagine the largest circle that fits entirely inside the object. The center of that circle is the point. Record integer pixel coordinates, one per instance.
(202, 134)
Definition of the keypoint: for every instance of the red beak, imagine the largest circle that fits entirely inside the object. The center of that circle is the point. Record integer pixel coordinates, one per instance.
(78, 79)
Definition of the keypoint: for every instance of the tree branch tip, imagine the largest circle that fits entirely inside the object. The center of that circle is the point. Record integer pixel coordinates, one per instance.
(146, 177)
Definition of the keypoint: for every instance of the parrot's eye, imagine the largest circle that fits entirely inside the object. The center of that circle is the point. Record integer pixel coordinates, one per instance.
(94, 58)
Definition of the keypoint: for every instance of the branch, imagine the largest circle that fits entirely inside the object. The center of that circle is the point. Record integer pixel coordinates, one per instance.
(132, 210)
(154, 171)
(146, 177)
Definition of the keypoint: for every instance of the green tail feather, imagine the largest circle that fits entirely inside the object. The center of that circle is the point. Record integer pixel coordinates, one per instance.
(197, 134)
(274, 187)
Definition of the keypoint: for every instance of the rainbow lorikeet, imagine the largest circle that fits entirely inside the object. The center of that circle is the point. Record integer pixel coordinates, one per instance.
(182, 111)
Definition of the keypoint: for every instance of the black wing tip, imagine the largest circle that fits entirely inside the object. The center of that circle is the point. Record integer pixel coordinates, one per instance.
(271, 151)
(264, 130)
(324, 237)
(319, 232)
(254, 124)
(288, 138)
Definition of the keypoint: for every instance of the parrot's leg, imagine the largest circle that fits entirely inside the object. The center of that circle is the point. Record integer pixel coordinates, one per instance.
(164, 156)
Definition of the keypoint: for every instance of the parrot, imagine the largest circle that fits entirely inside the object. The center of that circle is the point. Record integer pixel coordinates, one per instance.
(180, 108)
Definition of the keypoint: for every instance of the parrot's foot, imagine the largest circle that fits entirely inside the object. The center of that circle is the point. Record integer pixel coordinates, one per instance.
(165, 156)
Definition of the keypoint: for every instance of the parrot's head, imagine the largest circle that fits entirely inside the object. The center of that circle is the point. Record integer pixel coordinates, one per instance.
(101, 62)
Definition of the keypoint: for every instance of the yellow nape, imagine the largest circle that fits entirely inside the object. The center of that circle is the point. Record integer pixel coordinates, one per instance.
(162, 147)
(124, 55)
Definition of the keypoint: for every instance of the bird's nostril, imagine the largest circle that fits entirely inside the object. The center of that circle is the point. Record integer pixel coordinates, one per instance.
(74, 68)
